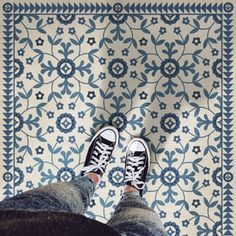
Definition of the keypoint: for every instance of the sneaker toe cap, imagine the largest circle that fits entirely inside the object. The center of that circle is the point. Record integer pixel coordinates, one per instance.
(109, 135)
(137, 146)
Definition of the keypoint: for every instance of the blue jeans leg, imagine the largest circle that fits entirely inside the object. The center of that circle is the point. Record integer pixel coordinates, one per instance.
(133, 217)
(72, 197)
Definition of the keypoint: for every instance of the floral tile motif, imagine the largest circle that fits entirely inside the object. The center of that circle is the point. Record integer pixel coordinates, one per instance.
(162, 72)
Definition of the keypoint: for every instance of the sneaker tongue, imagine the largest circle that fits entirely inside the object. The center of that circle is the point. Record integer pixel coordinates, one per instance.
(138, 154)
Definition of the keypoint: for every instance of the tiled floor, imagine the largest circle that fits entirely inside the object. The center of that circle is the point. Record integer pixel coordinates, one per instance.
(153, 71)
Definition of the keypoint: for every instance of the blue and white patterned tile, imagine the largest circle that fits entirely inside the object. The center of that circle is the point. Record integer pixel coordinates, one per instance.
(153, 71)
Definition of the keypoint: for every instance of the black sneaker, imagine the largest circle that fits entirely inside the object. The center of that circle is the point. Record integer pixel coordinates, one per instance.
(100, 150)
(136, 164)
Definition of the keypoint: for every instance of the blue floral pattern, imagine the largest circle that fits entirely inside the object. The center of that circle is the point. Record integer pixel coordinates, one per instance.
(158, 76)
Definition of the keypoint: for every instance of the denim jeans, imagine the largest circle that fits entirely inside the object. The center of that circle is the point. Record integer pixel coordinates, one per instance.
(132, 215)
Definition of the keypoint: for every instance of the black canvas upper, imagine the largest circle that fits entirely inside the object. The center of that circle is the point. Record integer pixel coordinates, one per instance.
(143, 174)
(90, 152)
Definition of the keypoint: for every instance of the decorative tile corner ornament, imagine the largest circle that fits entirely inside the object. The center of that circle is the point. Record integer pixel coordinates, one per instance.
(162, 71)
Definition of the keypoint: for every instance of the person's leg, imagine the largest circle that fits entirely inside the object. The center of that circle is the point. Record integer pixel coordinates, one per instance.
(133, 216)
(74, 196)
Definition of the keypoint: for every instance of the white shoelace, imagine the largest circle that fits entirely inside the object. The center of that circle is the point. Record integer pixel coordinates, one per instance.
(98, 162)
(133, 175)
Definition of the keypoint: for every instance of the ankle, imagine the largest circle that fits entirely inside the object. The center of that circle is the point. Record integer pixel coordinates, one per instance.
(128, 189)
(95, 177)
